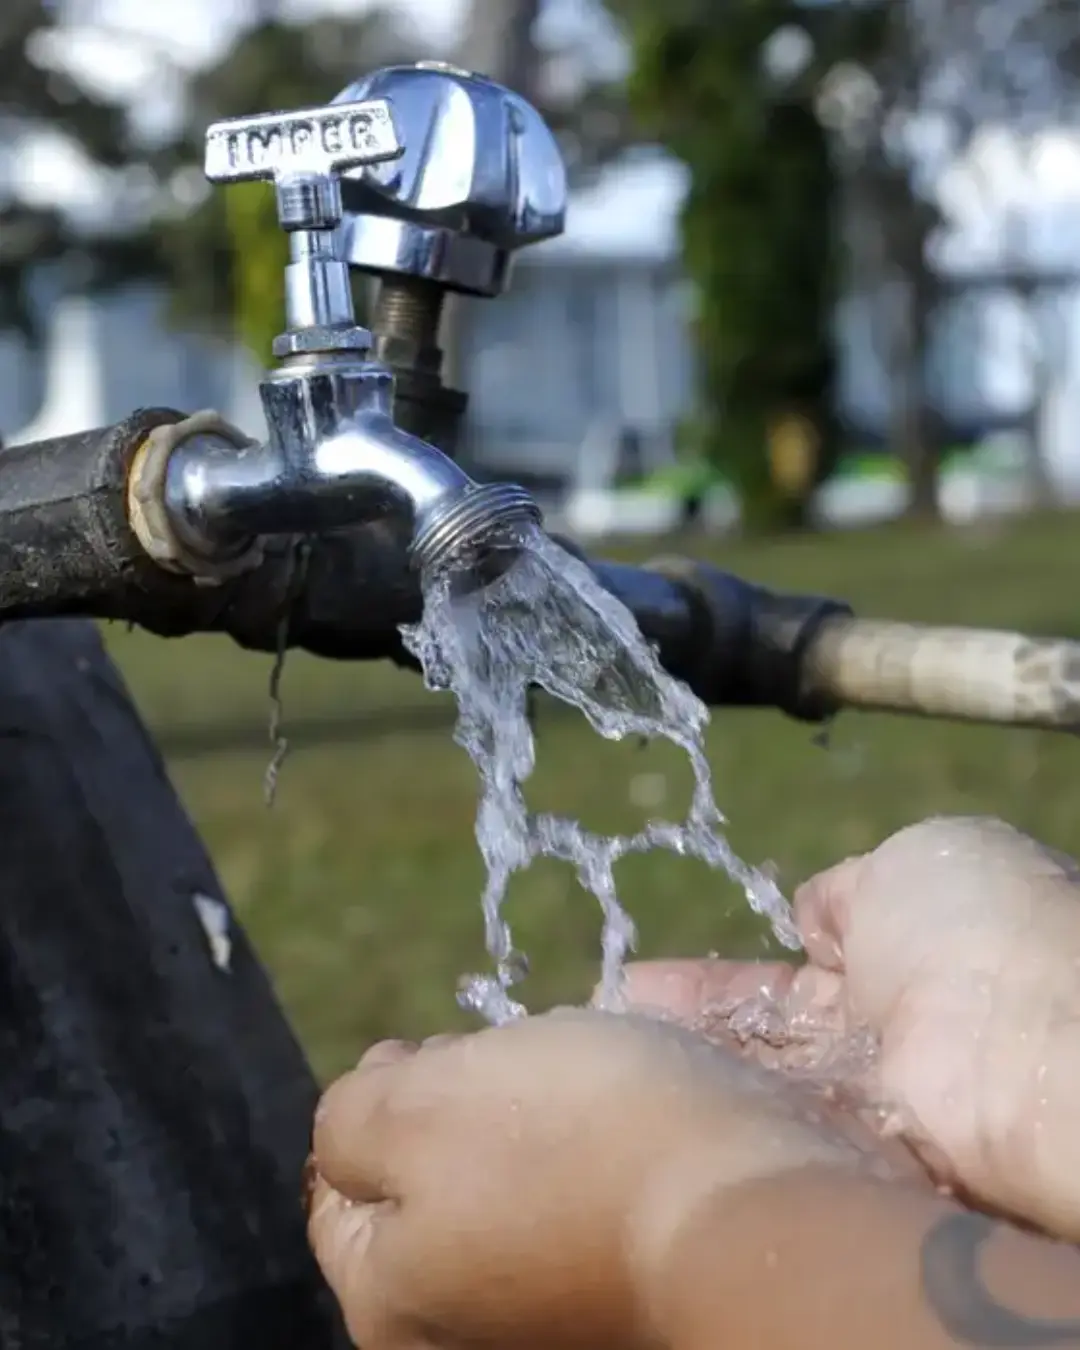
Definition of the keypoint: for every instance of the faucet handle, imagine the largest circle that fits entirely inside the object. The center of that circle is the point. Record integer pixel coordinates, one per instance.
(310, 146)
(481, 177)
(304, 153)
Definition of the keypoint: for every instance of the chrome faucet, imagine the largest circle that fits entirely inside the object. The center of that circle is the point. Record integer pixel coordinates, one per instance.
(334, 456)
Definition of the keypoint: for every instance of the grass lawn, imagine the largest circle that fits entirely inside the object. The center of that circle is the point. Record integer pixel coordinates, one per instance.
(361, 885)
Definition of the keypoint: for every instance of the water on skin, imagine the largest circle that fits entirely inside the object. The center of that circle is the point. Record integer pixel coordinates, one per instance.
(547, 622)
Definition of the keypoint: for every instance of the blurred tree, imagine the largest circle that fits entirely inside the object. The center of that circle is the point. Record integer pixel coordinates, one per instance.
(959, 67)
(583, 103)
(36, 96)
(1021, 68)
(783, 168)
(867, 98)
(498, 41)
(758, 226)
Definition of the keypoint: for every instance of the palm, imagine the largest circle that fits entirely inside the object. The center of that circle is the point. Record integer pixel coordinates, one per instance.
(938, 967)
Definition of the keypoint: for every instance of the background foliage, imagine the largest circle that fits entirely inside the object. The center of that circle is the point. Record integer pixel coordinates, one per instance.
(759, 226)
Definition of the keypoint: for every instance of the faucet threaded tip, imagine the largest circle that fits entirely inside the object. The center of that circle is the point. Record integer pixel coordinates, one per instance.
(458, 532)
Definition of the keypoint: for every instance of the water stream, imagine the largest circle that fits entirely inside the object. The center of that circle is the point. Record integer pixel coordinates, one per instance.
(547, 622)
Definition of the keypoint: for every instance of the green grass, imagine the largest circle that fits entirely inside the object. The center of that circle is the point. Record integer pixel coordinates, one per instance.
(360, 886)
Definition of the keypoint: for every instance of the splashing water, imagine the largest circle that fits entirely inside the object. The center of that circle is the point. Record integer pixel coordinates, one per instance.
(547, 622)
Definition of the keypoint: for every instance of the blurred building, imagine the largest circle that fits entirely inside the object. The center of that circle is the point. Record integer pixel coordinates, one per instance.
(589, 351)
(587, 359)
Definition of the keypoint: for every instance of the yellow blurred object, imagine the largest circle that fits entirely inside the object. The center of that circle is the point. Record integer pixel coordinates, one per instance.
(794, 447)
(260, 252)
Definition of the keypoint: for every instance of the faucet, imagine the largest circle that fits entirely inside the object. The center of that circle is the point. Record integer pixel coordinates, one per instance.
(180, 524)
(427, 180)
(334, 456)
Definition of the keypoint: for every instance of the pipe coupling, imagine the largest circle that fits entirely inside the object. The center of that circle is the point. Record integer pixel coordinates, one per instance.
(149, 518)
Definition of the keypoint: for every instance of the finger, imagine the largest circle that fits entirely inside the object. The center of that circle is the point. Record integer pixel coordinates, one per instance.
(359, 1142)
(339, 1231)
(341, 1234)
(688, 990)
(374, 1261)
(823, 911)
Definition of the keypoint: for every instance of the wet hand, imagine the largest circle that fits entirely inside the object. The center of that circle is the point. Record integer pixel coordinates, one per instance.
(957, 944)
(516, 1187)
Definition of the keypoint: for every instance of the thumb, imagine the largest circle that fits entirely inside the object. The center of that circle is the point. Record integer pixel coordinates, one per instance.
(823, 911)
(340, 1232)
(351, 1242)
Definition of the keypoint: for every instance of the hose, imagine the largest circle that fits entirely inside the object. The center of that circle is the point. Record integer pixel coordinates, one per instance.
(967, 674)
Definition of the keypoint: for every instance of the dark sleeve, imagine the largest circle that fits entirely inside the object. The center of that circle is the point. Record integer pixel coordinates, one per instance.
(154, 1109)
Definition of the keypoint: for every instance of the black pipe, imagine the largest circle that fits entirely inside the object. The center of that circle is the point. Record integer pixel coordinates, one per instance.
(735, 644)
(64, 532)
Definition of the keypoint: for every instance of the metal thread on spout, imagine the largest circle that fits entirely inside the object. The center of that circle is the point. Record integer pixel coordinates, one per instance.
(457, 536)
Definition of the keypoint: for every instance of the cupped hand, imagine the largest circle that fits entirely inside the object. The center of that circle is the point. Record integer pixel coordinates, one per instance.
(956, 946)
(514, 1188)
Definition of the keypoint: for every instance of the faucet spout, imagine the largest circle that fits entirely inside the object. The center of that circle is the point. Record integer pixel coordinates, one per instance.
(334, 458)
